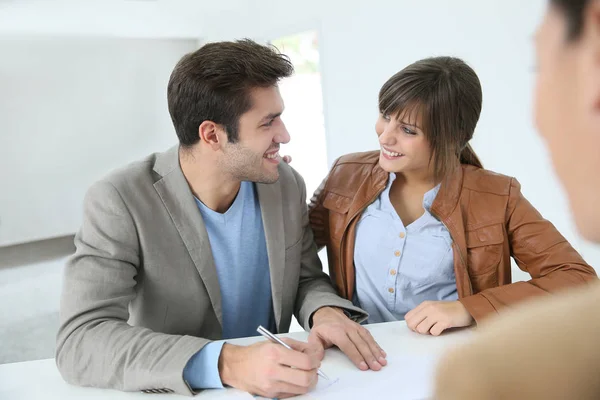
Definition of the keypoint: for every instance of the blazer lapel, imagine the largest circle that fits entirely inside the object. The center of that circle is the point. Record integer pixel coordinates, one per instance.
(177, 197)
(269, 196)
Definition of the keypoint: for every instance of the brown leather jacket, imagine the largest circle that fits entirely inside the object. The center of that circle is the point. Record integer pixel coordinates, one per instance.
(489, 221)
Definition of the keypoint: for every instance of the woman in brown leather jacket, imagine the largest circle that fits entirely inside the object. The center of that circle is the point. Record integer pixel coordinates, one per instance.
(418, 230)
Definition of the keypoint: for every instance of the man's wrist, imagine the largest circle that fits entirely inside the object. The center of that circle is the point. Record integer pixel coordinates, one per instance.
(225, 371)
(323, 311)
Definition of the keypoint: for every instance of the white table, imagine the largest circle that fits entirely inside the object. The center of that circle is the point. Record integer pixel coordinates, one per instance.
(34, 380)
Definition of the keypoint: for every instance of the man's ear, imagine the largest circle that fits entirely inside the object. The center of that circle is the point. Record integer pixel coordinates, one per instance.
(586, 48)
(591, 19)
(209, 134)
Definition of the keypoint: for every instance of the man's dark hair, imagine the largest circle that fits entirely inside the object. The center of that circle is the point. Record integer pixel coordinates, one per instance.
(214, 84)
(573, 12)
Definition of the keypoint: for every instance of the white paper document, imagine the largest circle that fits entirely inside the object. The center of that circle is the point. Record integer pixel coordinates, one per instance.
(407, 377)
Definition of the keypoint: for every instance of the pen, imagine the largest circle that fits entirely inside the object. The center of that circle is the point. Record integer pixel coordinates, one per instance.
(275, 339)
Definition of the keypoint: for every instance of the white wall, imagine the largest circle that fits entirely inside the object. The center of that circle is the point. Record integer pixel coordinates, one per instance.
(363, 43)
(116, 18)
(72, 109)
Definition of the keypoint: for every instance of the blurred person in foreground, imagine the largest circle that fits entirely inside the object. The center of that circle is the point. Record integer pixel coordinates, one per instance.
(550, 349)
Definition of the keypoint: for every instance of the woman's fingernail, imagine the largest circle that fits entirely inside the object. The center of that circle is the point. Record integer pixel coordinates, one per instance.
(363, 365)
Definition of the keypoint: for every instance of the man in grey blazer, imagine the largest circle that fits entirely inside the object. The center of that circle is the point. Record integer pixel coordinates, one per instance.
(202, 243)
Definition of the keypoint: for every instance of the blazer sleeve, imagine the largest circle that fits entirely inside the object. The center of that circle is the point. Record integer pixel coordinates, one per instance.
(95, 345)
(547, 349)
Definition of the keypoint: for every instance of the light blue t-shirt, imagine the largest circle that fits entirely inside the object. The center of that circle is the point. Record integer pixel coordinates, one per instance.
(237, 241)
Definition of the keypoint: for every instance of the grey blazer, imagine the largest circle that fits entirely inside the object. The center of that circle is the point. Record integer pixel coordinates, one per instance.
(141, 296)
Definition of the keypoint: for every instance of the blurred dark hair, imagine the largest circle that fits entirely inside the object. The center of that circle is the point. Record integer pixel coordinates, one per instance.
(573, 12)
